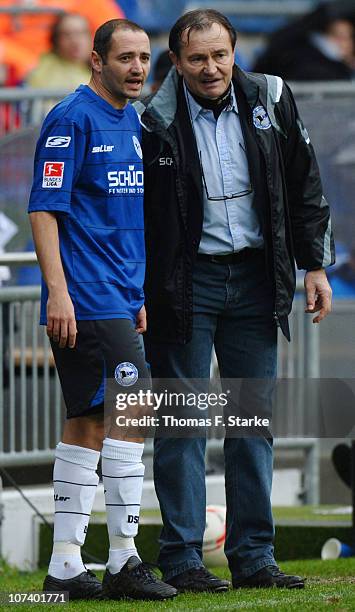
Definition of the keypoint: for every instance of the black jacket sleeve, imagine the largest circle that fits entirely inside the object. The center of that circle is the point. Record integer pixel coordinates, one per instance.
(308, 208)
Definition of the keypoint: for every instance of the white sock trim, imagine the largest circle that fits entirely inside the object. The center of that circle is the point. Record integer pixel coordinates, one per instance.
(118, 543)
(123, 443)
(66, 548)
(86, 457)
(121, 449)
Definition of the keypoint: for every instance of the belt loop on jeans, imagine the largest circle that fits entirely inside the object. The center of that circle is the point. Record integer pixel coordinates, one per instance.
(231, 258)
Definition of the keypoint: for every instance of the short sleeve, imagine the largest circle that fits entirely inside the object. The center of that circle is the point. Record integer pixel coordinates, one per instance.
(59, 157)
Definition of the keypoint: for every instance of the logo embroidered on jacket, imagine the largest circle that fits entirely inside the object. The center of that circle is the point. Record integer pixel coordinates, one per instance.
(261, 118)
(166, 161)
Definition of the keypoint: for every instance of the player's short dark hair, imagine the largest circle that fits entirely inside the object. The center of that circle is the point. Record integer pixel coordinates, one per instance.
(103, 35)
(201, 19)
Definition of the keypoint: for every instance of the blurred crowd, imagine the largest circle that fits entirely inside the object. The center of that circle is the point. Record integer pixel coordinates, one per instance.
(29, 31)
(47, 43)
(318, 47)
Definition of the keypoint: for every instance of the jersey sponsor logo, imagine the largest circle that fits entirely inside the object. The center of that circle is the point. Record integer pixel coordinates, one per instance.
(132, 518)
(166, 161)
(126, 374)
(103, 149)
(58, 141)
(261, 118)
(129, 181)
(53, 175)
(60, 498)
(137, 146)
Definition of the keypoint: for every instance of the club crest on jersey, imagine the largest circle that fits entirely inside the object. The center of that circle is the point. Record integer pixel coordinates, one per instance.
(126, 374)
(137, 146)
(261, 118)
(58, 141)
(52, 175)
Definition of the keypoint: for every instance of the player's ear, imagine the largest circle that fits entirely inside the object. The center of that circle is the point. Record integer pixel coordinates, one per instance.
(96, 61)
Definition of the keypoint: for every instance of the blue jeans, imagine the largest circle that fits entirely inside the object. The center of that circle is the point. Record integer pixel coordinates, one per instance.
(233, 310)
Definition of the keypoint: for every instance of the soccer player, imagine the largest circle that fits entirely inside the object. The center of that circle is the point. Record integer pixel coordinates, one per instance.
(86, 210)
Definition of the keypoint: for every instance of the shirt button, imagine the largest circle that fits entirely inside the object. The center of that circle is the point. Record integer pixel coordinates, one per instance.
(229, 195)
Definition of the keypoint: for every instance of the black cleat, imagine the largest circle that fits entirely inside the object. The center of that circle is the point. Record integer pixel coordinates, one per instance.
(83, 586)
(135, 581)
(198, 580)
(269, 576)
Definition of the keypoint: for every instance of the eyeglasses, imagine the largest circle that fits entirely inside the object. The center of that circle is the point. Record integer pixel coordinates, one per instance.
(229, 196)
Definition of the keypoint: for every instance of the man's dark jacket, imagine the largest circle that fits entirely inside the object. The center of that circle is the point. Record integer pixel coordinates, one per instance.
(293, 214)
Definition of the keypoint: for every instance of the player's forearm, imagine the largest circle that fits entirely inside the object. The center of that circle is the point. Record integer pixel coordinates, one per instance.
(46, 239)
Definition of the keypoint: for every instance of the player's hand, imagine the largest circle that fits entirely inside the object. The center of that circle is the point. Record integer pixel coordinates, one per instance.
(61, 323)
(318, 294)
(141, 321)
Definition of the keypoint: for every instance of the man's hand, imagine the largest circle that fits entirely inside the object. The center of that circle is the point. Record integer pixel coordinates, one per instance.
(141, 321)
(318, 294)
(61, 324)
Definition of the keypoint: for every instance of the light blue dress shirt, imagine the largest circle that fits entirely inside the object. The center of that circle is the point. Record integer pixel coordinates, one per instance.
(228, 225)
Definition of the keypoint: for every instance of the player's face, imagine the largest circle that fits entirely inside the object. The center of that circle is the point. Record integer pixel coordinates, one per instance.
(206, 61)
(127, 65)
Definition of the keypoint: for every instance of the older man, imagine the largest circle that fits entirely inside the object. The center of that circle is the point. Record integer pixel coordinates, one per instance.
(233, 196)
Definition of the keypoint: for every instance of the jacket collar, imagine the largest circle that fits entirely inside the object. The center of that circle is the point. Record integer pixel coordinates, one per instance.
(163, 105)
(248, 83)
(195, 108)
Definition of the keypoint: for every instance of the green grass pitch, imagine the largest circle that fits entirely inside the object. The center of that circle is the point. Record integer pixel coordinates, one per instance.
(330, 586)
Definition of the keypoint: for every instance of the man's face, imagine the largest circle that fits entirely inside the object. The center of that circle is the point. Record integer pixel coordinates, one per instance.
(127, 65)
(206, 61)
(341, 33)
(74, 39)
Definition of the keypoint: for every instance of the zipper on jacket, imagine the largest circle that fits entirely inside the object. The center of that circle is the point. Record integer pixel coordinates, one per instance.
(275, 313)
(261, 146)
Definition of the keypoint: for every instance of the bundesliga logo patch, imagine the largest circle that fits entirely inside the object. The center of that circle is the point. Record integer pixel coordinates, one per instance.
(126, 374)
(53, 175)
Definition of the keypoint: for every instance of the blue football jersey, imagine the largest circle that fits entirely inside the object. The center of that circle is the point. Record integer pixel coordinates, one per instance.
(88, 169)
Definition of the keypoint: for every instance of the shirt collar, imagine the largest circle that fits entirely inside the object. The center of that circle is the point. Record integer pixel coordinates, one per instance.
(195, 108)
